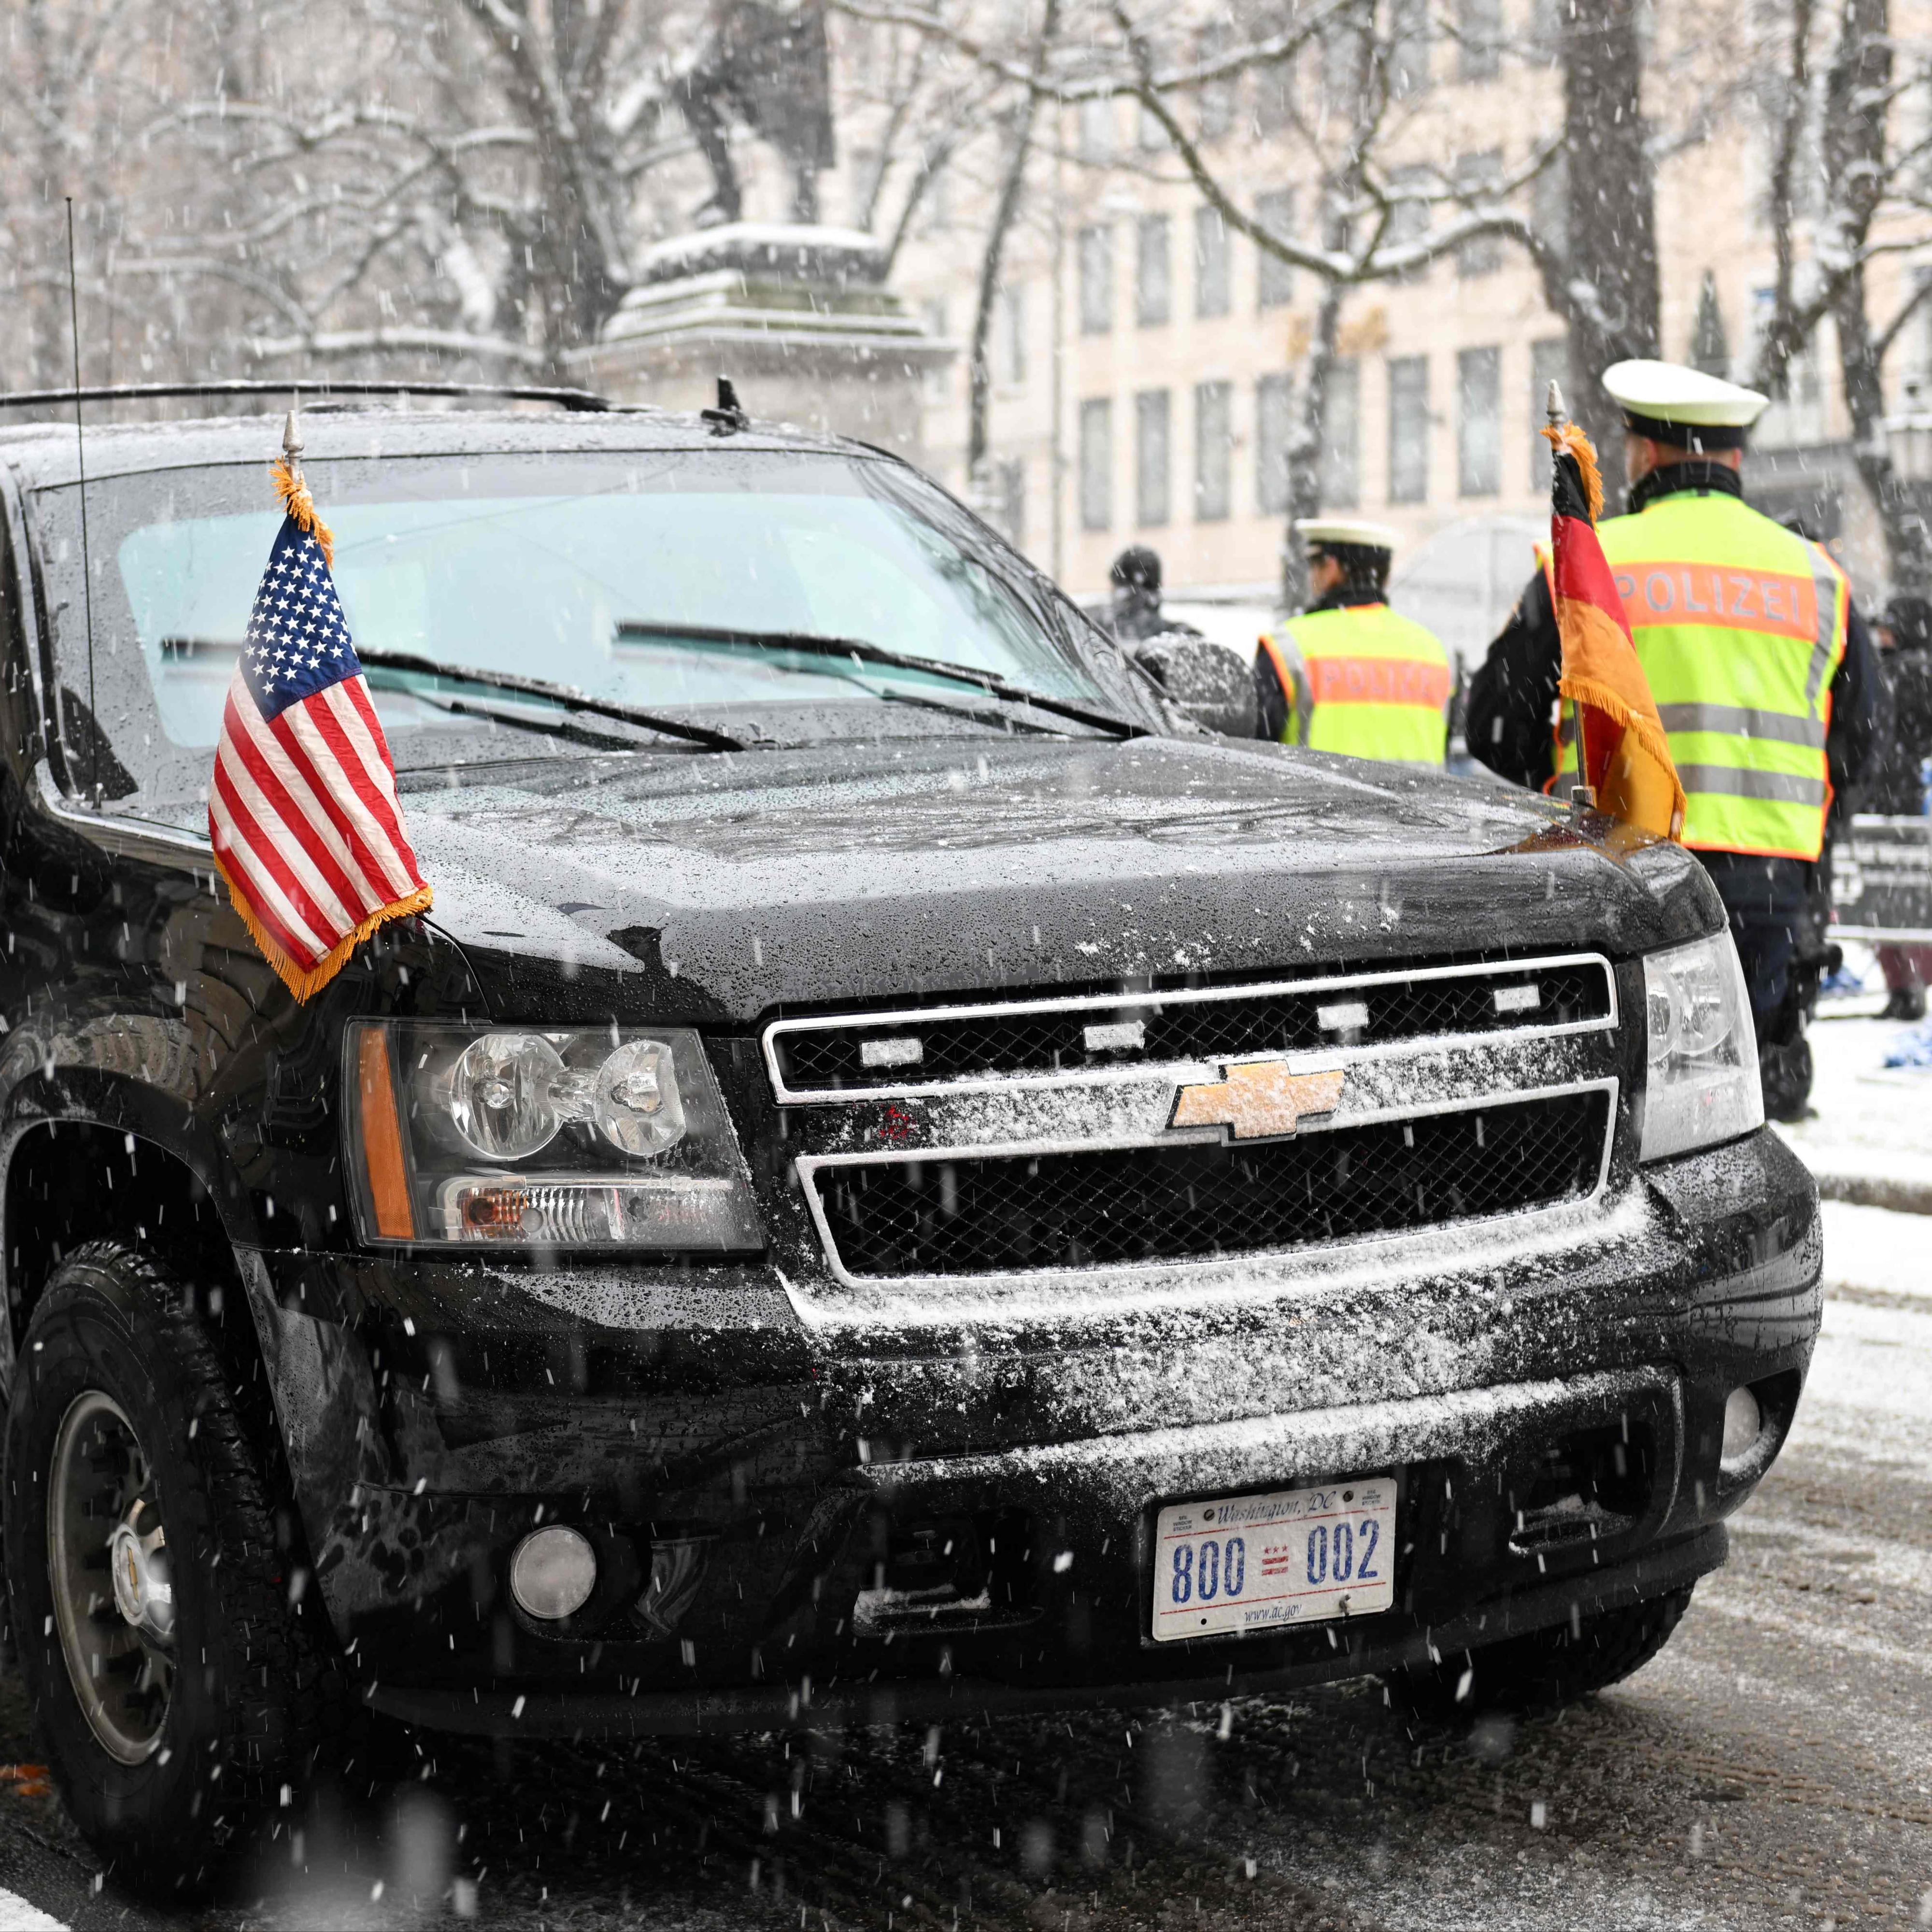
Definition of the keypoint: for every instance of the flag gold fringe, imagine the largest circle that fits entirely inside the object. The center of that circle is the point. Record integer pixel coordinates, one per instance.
(305, 982)
(1569, 439)
(296, 500)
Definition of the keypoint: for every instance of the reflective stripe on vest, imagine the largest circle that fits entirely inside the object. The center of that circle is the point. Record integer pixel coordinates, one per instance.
(1741, 626)
(1376, 685)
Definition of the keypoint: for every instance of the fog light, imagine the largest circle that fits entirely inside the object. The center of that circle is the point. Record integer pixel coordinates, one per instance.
(1744, 1422)
(553, 1572)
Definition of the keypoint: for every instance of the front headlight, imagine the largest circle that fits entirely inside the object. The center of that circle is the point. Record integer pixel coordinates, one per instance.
(1702, 1083)
(536, 1137)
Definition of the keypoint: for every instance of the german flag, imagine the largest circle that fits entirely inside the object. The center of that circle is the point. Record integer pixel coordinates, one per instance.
(1621, 752)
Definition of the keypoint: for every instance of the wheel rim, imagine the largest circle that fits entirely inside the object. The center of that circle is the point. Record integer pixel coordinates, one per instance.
(107, 1561)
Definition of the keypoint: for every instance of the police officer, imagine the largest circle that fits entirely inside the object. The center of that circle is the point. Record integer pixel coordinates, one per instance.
(1349, 675)
(1769, 688)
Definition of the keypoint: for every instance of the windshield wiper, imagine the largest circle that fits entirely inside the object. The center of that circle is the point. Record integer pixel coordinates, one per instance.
(544, 728)
(565, 696)
(812, 644)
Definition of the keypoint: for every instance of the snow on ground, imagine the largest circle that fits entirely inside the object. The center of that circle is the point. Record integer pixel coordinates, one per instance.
(1869, 1391)
(17, 1916)
(1867, 1119)
(1871, 1387)
(1869, 1249)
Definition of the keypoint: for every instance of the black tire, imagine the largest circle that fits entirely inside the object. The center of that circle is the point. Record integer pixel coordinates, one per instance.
(1542, 1669)
(120, 1398)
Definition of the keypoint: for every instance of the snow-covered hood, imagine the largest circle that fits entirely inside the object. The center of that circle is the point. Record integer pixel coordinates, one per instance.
(722, 886)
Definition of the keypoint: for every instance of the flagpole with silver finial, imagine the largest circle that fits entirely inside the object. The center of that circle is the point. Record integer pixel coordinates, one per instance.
(291, 435)
(1582, 796)
(293, 488)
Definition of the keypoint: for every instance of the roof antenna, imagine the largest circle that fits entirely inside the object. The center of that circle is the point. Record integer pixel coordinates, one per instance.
(86, 562)
(729, 416)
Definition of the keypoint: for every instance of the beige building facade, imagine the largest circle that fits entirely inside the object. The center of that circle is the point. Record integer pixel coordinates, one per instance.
(1147, 362)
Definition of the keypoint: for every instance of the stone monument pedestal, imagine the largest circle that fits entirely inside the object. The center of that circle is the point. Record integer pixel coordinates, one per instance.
(800, 318)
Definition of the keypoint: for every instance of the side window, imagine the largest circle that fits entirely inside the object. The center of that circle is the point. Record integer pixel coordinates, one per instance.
(85, 758)
(20, 720)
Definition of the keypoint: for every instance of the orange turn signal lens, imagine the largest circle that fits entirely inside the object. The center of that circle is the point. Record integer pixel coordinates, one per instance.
(382, 1138)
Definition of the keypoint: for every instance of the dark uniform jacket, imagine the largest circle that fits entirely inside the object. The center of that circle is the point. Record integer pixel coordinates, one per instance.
(1894, 784)
(1135, 618)
(1778, 907)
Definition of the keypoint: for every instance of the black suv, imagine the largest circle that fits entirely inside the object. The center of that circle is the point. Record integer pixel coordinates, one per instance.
(899, 1179)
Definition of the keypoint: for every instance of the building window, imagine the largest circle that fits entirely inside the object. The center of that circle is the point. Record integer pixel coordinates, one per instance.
(1153, 455)
(1408, 220)
(1479, 422)
(1341, 435)
(1549, 203)
(1479, 39)
(1408, 429)
(1710, 340)
(938, 377)
(1275, 212)
(1010, 500)
(1409, 54)
(1212, 257)
(1918, 360)
(1217, 96)
(1475, 175)
(1274, 429)
(1796, 416)
(1097, 464)
(1153, 274)
(1274, 97)
(1013, 335)
(1151, 135)
(1214, 451)
(938, 203)
(1096, 280)
(1549, 362)
(1097, 130)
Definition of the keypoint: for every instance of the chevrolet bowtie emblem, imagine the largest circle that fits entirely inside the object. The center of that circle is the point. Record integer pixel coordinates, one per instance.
(1257, 1098)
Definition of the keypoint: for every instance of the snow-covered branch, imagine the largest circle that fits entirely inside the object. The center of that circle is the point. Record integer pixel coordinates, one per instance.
(343, 342)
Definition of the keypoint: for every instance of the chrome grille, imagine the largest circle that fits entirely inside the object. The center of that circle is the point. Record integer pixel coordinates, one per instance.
(1034, 1138)
(991, 1213)
(855, 1055)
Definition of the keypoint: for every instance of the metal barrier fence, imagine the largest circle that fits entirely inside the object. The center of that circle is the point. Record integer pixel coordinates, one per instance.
(1882, 882)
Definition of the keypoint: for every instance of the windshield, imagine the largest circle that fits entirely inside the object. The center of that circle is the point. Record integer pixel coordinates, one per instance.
(688, 583)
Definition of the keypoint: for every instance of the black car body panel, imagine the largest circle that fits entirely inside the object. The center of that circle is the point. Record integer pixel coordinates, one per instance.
(754, 1444)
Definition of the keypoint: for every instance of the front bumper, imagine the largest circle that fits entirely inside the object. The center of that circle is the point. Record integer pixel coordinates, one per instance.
(750, 1479)
(1370, 1647)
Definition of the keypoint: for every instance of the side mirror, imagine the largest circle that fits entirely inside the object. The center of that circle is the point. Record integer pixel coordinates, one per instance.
(1204, 681)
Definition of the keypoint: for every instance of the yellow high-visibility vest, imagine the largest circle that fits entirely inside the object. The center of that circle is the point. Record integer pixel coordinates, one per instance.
(1364, 681)
(1741, 626)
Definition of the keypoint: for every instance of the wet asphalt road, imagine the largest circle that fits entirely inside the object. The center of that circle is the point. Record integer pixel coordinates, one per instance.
(1773, 1767)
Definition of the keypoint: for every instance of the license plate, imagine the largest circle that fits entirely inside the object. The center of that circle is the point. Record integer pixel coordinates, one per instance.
(1297, 1556)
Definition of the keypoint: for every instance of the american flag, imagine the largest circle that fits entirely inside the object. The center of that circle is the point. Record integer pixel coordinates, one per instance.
(303, 811)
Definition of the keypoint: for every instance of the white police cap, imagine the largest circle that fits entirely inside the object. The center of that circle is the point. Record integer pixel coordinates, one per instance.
(1317, 532)
(1670, 403)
